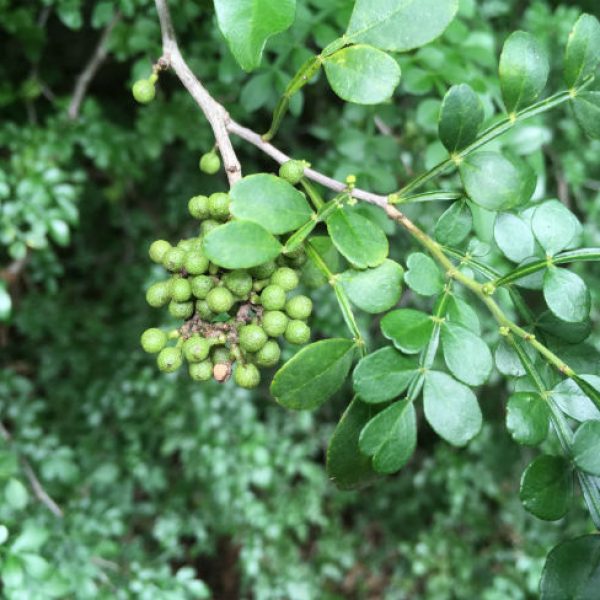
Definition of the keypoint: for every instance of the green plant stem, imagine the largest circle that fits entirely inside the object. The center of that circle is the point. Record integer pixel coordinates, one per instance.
(435, 196)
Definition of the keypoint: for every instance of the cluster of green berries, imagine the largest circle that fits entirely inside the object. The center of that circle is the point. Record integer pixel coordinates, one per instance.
(231, 318)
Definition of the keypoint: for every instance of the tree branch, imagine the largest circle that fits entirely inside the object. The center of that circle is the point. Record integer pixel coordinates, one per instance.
(85, 78)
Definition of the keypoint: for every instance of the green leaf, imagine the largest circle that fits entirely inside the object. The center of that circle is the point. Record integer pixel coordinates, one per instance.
(248, 24)
(451, 408)
(454, 225)
(523, 71)
(408, 329)
(346, 465)
(467, 356)
(390, 437)
(423, 275)
(362, 74)
(59, 232)
(311, 274)
(357, 238)
(459, 311)
(383, 375)
(16, 494)
(567, 295)
(547, 487)
(508, 361)
(574, 402)
(582, 55)
(527, 418)
(400, 25)
(572, 333)
(586, 106)
(240, 245)
(314, 374)
(513, 236)
(374, 290)
(5, 302)
(586, 447)
(555, 227)
(496, 182)
(461, 116)
(271, 202)
(572, 570)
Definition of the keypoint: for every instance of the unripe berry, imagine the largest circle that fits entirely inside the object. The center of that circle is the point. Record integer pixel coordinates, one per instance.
(273, 297)
(274, 323)
(220, 300)
(252, 338)
(198, 207)
(204, 311)
(153, 340)
(218, 205)
(173, 259)
(264, 271)
(208, 225)
(296, 258)
(299, 307)
(285, 278)
(201, 371)
(143, 91)
(201, 285)
(159, 294)
(169, 359)
(181, 290)
(210, 163)
(238, 282)
(181, 310)
(196, 263)
(220, 355)
(247, 376)
(157, 250)
(292, 171)
(196, 349)
(185, 245)
(268, 355)
(297, 332)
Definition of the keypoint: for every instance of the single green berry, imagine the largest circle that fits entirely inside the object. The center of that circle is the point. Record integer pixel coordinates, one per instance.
(220, 355)
(210, 163)
(159, 294)
(274, 323)
(273, 297)
(238, 282)
(181, 310)
(157, 250)
(144, 91)
(185, 245)
(153, 340)
(196, 262)
(296, 258)
(220, 300)
(292, 171)
(218, 205)
(208, 225)
(181, 290)
(252, 338)
(299, 307)
(247, 376)
(285, 278)
(201, 371)
(174, 259)
(268, 355)
(263, 271)
(201, 285)
(196, 349)
(204, 311)
(169, 359)
(198, 207)
(297, 332)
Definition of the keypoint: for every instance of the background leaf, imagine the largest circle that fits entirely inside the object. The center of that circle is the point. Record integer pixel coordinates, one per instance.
(586, 447)
(586, 106)
(527, 418)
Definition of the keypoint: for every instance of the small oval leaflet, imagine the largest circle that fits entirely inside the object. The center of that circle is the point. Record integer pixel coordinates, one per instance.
(423, 275)
(527, 418)
(586, 447)
(567, 295)
(461, 116)
(586, 106)
(574, 402)
(408, 329)
(454, 225)
(582, 54)
(513, 236)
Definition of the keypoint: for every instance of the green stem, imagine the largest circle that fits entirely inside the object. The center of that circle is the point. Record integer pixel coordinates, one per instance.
(439, 195)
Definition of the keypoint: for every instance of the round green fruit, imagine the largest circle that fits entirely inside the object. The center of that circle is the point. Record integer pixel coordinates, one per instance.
(169, 359)
(247, 376)
(268, 355)
(285, 278)
(264, 271)
(204, 311)
(292, 171)
(201, 371)
(220, 355)
(157, 250)
(196, 349)
(181, 290)
(273, 297)
(220, 300)
(196, 263)
(210, 163)
(201, 285)
(198, 207)
(181, 310)
(143, 91)
(252, 338)
(153, 340)
(297, 332)
(174, 259)
(218, 205)
(274, 323)
(238, 282)
(208, 225)
(299, 307)
(159, 294)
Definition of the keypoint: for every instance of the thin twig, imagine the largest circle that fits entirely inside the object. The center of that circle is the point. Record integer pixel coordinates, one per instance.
(38, 488)
(91, 68)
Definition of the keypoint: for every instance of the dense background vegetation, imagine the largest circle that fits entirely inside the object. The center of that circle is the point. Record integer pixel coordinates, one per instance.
(171, 489)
